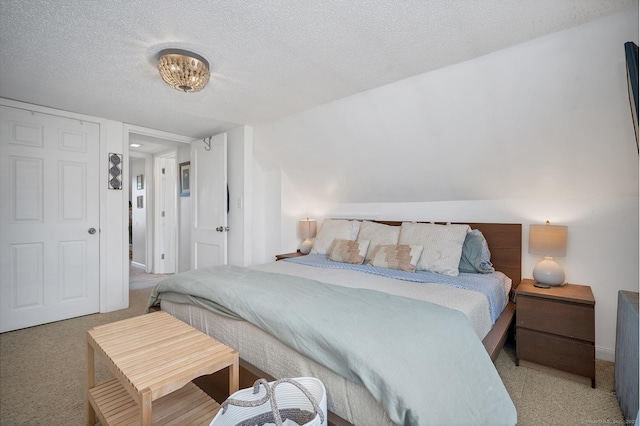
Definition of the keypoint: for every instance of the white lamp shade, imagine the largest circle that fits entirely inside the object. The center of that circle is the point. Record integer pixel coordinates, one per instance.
(307, 228)
(548, 240)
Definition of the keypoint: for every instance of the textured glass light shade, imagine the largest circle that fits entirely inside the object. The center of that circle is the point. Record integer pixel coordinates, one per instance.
(183, 70)
(307, 229)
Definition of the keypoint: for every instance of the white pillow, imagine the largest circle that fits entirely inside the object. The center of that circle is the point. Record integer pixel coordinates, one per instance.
(378, 234)
(442, 245)
(332, 229)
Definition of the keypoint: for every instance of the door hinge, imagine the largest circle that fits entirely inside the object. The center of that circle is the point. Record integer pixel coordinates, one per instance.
(163, 170)
(162, 256)
(162, 214)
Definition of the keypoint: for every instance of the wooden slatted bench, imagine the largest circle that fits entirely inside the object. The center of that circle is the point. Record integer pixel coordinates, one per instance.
(154, 357)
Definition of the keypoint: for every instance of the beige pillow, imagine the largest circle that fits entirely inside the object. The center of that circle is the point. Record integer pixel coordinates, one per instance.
(378, 234)
(348, 251)
(332, 229)
(403, 257)
(442, 245)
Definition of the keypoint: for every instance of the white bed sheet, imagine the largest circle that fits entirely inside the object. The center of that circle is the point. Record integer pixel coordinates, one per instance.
(472, 303)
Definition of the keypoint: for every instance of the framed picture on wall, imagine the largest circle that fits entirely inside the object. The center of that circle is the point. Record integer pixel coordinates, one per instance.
(185, 169)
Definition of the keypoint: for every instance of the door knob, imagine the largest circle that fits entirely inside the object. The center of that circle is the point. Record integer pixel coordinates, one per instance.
(92, 231)
(222, 229)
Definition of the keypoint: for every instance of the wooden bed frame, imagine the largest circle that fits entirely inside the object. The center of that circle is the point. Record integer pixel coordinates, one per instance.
(505, 243)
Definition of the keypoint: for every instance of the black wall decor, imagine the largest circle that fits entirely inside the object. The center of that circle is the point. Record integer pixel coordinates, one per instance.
(115, 171)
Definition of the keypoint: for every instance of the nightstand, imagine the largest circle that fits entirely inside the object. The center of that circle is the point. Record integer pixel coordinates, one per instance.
(556, 327)
(288, 255)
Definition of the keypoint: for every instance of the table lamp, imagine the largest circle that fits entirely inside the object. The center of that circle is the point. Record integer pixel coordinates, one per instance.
(307, 229)
(549, 241)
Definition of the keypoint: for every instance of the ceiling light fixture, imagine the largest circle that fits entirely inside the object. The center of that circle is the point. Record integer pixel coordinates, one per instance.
(183, 70)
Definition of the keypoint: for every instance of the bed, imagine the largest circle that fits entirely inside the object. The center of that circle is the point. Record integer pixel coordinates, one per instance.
(394, 369)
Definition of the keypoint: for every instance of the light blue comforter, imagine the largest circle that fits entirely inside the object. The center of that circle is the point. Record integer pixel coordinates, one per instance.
(422, 362)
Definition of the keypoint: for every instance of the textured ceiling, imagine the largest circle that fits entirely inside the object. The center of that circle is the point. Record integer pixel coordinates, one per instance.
(269, 59)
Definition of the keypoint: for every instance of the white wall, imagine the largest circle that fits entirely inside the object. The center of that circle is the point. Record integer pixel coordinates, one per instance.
(184, 218)
(559, 103)
(240, 179)
(267, 210)
(114, 223)
(541, 131)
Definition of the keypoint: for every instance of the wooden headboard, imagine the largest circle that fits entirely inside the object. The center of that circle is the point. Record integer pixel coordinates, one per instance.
(505, 244)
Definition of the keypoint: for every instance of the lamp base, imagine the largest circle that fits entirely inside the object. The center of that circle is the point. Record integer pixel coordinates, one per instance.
(548, 272)
(540, 285)
(305, 247)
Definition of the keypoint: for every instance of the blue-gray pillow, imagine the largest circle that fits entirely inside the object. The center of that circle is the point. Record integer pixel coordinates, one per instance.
(476, 257)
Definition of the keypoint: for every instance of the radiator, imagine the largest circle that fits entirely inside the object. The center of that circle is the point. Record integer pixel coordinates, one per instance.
(626, 367)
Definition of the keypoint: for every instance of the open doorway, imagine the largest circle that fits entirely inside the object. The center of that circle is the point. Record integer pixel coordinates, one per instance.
(150, 192)
(139, 186)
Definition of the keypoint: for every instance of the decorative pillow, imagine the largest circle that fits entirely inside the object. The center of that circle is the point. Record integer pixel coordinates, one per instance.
(332, 229)
(476, 257)
(378, 234)
(348, 251)
(442, 245)
(404, 257)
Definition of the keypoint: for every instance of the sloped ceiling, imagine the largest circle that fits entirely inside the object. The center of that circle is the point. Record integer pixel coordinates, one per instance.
(268, 59)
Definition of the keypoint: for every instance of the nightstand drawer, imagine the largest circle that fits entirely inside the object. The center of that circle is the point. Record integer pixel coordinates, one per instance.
(556, 352)
(556, 317)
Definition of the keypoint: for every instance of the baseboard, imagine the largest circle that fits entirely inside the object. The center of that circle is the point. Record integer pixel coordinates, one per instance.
(138, 265)
(606, 354)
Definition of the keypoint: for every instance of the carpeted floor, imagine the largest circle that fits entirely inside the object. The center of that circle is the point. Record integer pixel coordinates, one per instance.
(544, 396)
(43, 376)
(43, 369)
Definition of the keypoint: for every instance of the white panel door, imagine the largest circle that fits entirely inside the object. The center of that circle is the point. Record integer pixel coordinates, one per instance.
(49, 260)
(165, 214)
(209, 203)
